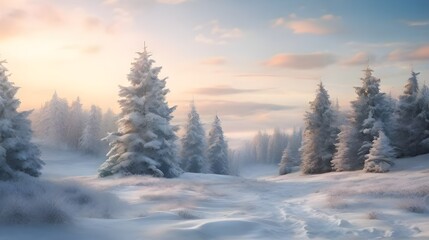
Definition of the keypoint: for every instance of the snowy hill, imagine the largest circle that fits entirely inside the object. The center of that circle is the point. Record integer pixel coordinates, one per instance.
(259, 205)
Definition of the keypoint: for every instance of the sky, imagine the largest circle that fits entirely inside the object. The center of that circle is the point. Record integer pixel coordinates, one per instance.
(254, 63)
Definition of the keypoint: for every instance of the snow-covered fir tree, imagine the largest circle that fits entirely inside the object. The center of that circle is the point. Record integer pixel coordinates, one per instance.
(379, 158)
(17, 152)
(276, 145)
(217, 152)
(291, 156)
(90, 141)
(319, 135)
(371, 111)
(421, 122)
(145, 140)
(76, 124)
(406, 127)
(193, 151)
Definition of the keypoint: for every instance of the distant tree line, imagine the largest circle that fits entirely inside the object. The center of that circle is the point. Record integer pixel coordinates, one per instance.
(59, 124)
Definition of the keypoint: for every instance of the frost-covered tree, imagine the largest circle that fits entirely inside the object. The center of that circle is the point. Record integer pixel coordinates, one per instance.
(421, 122)
(379, 158)
(193, 152)
(17, 152)
(90, 141)
(345, 157)
(217, 152)
(76, 124)
(145, 140)
(371, 112)
(291, 156)
(319, 135)
(405, 137)
(276, 145)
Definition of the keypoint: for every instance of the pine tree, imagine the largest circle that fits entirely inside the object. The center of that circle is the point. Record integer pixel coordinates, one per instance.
(421, 122)
(319, 135)
(194, 144)
(56, 121)
(379, 158)
(217, 152)
(17, 152)
(371, 112)
(405, 137)
(345, 157)
(108, 123)
(145, 140)
(90, 141)
(291, 156)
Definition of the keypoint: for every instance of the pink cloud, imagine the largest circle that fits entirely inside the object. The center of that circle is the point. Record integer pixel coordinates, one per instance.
(326, 24)
(214, 61)
(360, 58)
(301, 61)
(414, 54)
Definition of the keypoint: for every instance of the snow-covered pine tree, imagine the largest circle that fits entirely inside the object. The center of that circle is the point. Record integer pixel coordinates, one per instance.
(319, 135)
(145, 140)
(17, 152)
(421, 122)
(90, 141)
(291, 156)
(371, 111)
(345, 156)
(276, 145)
(193, 152)
(379, 158)
(406, 131)
(76, 124)
(217, 152)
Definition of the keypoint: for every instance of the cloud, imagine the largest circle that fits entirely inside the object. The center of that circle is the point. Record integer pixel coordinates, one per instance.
(360, 58)
(420, 53)
(223, 90)
(326, 24)
(172, 1)
(237, 109)
(301, 61)
(417, 23)
(84, 49)
(212, 33)
(214, 61)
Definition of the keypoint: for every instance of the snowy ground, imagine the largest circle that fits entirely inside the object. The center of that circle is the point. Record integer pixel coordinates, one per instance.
(259, 205)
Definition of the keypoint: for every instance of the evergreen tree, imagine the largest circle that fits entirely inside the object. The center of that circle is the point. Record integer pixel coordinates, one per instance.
(379, 158)
(194, 144)
(345, 157)
(371, 112)
(17, 152)
(406, 126)
(56, 121)
(90, 141)
(217, 152)
(145, 140)
(421, 122)
(291, 156)
(319, 135)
